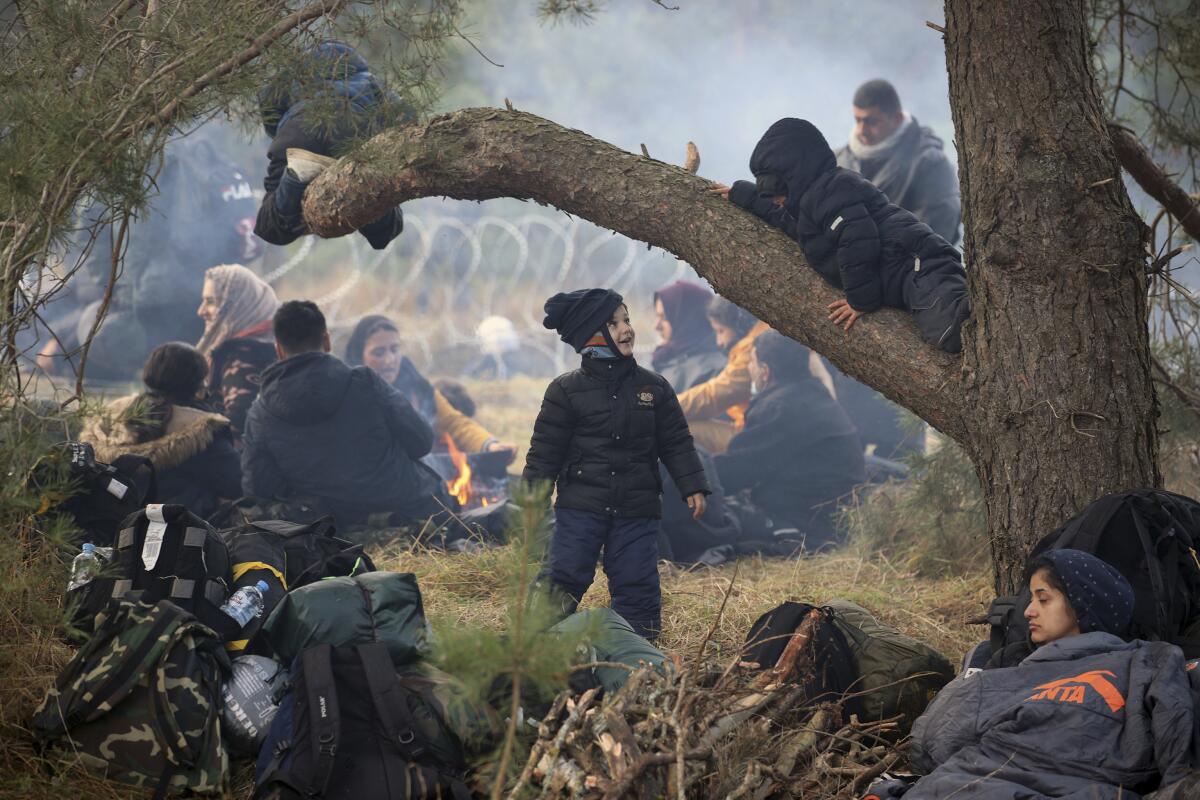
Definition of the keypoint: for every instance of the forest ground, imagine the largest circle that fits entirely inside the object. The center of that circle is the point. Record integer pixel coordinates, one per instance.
(466, 590)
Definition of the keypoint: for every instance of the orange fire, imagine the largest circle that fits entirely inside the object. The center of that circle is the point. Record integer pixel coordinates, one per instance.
(460, 487)
(738, 415)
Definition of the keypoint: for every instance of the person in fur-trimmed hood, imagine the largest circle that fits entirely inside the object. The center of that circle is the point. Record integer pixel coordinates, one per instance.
(853, 236)
(191, 448)
(599, 436)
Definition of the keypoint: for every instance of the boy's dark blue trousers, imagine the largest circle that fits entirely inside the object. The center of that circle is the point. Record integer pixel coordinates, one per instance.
(630, 546)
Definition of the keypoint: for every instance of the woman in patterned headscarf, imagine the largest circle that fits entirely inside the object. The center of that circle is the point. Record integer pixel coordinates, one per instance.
(237, 307)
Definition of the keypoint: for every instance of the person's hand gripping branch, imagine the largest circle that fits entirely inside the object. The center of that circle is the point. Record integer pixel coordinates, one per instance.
(840, 312)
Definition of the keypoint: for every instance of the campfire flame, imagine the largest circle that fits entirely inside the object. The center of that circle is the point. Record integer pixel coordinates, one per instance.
(460, 487)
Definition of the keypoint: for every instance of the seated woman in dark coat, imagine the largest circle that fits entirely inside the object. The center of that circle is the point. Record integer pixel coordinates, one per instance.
(688, 352)
(191, 448)
(375, 343)
(1087, 714)
(798, 453)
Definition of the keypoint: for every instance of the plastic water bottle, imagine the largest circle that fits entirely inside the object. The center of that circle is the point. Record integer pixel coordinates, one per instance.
(246, 603)
(85, 567)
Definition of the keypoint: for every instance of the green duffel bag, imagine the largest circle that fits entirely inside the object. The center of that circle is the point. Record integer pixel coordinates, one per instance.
(896, 673)
(373, 607)
(140, 702)
(610, 638)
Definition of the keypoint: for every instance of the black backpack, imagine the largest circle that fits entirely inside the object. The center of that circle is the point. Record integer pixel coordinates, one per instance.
(286, 555)
(163, 552)
(1150, 536)
(350, 728)
(833, 672)
(105, 494)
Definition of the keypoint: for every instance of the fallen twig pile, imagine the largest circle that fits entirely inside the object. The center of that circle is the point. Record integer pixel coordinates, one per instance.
(740, 733)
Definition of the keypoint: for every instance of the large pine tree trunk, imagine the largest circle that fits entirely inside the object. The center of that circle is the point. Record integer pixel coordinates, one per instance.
(1057, 369)
(1052, 398)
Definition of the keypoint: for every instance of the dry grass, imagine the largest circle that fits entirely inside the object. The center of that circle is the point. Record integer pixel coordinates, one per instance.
(464, 590)
(461, 590)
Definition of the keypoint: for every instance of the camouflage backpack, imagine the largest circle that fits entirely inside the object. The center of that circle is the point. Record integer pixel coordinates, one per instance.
(139, 702)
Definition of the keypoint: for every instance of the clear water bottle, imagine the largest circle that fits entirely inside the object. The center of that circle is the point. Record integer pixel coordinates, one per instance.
(246, 603)
(85, 567)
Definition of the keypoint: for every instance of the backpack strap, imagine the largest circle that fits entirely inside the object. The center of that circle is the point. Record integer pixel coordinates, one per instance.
(387, 694)
(323, 714)
(165, 714)
(1154, 567)
(125, 558)
(389, 703)
(129, 464)
(166, 616)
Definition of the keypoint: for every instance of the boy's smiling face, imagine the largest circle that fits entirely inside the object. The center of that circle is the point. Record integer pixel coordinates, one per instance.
(621, 331)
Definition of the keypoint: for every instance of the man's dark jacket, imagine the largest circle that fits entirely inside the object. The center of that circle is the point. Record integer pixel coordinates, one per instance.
(797, 454)
(600, 434)
(288, 119)
(916, 175)
(339, 438)
(850, 233)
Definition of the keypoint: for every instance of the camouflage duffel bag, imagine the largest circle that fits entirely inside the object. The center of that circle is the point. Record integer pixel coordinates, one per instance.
(140, 702)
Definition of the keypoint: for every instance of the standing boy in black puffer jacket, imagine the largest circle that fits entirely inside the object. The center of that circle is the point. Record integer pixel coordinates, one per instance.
(600, 434)
(878, 253)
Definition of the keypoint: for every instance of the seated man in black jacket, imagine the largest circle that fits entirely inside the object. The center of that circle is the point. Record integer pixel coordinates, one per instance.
(311, 118)
(798, 452)
(335, 437)
(878, 253)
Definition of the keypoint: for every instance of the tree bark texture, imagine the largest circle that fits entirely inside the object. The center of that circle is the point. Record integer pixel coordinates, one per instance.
(484, 153)
(1052, 398)
(1056, 371)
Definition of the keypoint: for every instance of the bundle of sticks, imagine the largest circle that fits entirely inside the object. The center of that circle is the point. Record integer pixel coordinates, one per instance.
(690, 732)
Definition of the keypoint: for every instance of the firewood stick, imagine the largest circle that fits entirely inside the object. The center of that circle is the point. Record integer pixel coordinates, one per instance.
(872, 773)
(750, 781)
(618, 788)
(539, 746)
(787, 660)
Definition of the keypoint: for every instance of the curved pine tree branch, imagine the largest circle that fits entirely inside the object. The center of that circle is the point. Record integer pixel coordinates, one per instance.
(484, 153)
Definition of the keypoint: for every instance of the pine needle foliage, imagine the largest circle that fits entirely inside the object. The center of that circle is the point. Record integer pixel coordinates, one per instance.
(522, 664)
(93, 89)
(934, 524)
(34, 565)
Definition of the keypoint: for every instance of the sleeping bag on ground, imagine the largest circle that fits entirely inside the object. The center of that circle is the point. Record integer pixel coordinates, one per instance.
(610, 638)
(373, 607)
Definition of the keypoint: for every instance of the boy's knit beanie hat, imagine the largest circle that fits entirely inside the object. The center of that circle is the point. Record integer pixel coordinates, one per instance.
(1099, 594)
(579, 314)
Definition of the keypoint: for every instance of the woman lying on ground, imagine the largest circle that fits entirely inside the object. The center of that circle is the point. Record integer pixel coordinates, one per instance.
(375, 342)
(191, 448)
(1086, 715)
(237, 307)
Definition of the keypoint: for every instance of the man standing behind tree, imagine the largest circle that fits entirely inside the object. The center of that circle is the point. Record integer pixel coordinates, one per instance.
(905, 161)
